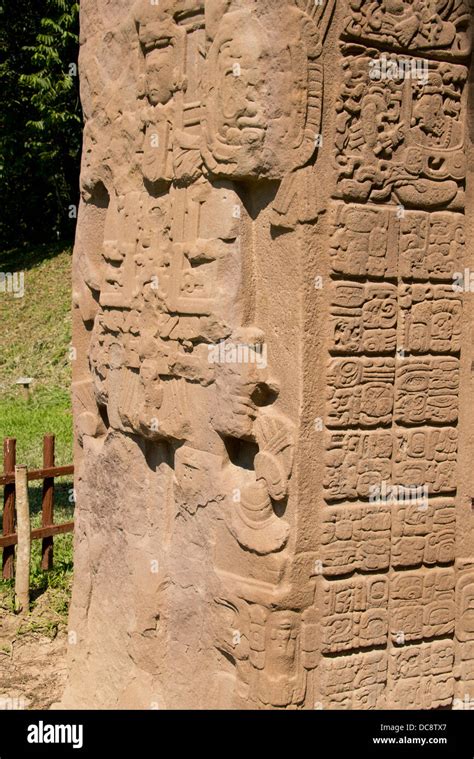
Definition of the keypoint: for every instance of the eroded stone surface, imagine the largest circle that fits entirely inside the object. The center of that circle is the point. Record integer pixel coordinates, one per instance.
(272, 377)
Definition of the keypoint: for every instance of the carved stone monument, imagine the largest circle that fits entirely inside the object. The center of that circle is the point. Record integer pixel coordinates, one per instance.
(273, 328)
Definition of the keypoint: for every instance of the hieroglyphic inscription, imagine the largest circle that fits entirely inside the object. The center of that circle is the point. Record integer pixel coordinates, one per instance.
(393, 373)
(200, 177)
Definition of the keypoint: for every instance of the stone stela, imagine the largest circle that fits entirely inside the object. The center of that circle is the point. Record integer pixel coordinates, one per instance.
(274, 477)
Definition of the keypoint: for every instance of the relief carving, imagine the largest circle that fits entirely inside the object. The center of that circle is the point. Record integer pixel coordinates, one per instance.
(263, 88)
(421, 26)
(394, 370)
(420, 677)
(296, 568)
(355, 681)
(401, 140)
(380, 244)
(354, 613)
(274, 651)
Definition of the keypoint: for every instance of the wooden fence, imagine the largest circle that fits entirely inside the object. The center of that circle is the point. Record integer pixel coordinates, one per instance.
(48, 529)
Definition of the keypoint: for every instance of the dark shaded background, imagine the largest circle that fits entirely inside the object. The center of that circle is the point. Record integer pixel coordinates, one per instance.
(40, 121)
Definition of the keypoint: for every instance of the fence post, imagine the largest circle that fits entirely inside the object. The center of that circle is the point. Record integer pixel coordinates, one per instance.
(9, 461)
(47, 503)
(23, 556)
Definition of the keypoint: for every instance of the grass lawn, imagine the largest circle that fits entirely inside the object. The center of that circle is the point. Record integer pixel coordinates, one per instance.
(36, 328)
(36, 334)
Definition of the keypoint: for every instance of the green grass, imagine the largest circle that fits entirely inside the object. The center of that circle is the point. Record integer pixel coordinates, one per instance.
(57, 581)
(28, 421)
(36, 334)
(36, 329)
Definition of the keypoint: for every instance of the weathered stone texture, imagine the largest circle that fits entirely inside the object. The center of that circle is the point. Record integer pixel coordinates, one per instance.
(273, 375)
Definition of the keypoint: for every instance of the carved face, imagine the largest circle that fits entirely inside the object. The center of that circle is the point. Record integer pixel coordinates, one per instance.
(258, 117)
(241, 117)
(235, 411)
(428, 112)
(282, 640)
(160, 74)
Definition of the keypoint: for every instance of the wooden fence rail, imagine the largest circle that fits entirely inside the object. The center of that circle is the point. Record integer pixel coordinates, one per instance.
(48, 529)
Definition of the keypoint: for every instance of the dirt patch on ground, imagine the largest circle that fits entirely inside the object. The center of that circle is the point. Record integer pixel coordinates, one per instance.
(32, 657)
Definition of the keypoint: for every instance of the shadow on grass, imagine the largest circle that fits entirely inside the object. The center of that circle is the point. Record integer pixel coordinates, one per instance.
(63, 504)
(28, 256)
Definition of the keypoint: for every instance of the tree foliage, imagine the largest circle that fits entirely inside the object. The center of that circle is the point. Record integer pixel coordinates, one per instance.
(41, 120)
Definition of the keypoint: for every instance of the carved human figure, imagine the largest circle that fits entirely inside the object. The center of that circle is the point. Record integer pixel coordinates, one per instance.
(262, 116)
(163, 48)
(281, 680)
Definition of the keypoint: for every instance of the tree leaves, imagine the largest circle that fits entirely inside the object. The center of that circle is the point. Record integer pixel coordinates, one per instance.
(40, 119)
